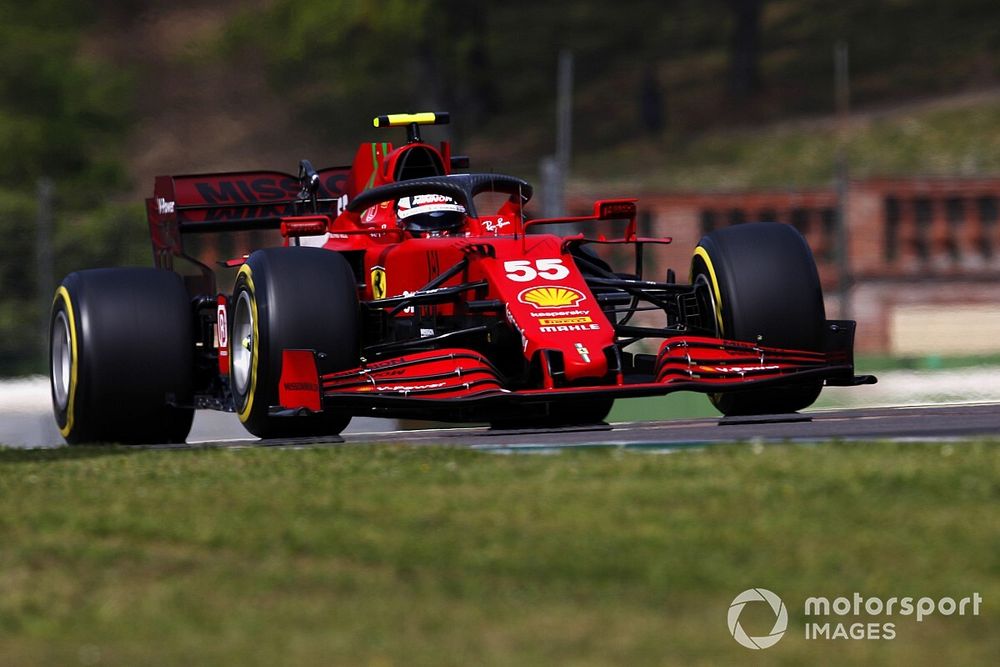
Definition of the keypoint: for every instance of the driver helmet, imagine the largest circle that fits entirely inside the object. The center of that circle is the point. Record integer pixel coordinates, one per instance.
(423, 214)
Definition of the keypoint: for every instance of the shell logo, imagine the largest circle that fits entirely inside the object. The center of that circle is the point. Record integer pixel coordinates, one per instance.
(551, 297)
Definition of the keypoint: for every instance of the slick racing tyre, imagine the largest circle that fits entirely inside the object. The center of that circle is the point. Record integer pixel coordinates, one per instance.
(290, 298)
(121, 357)
(766, 289)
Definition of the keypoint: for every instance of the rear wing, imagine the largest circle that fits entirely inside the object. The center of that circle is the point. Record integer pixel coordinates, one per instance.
(237, 201)
(228, 201)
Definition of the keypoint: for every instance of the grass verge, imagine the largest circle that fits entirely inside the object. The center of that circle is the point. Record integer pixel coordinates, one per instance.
(949, 142)
(439, 556)
(691, 405)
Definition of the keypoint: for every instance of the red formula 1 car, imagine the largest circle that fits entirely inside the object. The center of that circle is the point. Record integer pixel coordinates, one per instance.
(397, 287)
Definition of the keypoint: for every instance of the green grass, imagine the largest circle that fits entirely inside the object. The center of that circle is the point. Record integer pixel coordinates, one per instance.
(679, 405)
(690, 405)
(437, 556)
(962, 141)
(873, 363)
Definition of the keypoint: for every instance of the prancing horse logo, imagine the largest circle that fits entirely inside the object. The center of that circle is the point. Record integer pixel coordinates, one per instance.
(378, 282)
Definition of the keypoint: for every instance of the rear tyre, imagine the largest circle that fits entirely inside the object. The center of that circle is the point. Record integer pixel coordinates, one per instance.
(766, 289)
(290, 298)
(121, 357)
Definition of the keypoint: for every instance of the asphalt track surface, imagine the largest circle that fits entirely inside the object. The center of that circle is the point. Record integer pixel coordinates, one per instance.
(939, 422)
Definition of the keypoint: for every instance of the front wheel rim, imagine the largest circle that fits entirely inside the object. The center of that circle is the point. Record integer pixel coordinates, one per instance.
(702, 281)
(242, 344)
(62, 361)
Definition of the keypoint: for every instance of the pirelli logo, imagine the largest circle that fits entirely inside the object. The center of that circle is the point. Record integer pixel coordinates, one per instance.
(552, 321)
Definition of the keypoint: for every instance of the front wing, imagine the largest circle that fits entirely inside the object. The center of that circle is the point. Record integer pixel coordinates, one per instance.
(460, 384)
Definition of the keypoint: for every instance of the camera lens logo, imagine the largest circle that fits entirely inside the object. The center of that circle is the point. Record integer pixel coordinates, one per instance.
(780, 622)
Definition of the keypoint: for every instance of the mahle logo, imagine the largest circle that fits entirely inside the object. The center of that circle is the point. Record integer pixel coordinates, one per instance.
(780, 615)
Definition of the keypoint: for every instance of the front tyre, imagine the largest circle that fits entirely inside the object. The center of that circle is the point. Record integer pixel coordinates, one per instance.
(290, 298)
(765, 290)
(121, 357)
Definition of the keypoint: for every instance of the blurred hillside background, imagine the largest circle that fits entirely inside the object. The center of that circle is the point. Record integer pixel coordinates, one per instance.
(99, 96)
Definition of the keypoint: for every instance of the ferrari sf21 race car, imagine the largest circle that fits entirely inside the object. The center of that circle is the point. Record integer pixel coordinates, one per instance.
(399, 287)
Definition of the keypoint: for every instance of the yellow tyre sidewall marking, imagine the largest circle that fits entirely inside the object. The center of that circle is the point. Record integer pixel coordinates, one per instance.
(244, 412)
(63, 293)
(703, 254)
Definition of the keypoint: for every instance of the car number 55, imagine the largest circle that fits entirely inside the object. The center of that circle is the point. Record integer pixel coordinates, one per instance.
(522, 271)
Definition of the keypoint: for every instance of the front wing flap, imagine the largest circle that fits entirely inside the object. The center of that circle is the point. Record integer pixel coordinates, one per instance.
(458, 380)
